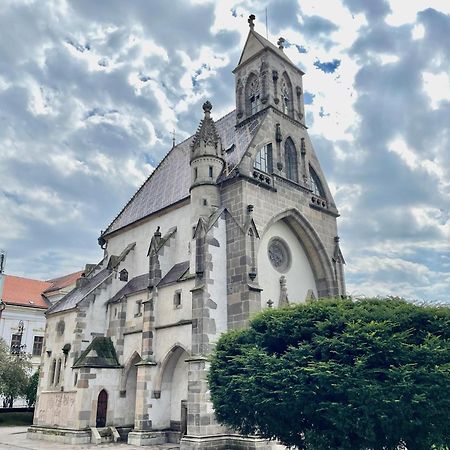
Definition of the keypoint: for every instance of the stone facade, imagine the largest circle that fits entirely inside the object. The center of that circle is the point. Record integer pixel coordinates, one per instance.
(248, 223)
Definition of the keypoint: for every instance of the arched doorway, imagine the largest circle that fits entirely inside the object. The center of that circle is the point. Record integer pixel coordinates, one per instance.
(172, 383)
(128, 384)
(102, 407)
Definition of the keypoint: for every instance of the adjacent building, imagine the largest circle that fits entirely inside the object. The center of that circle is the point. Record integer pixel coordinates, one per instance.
(235, 219)
(22, 322)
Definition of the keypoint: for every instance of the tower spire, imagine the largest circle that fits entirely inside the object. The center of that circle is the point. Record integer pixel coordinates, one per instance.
(206, 135)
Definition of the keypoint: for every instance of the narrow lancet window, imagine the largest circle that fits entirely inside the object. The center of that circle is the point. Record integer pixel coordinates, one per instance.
(253, 95)
(290, 154)
(316, 185)
(263, 160)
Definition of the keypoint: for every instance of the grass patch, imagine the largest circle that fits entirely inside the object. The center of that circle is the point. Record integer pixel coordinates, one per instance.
(9, 419)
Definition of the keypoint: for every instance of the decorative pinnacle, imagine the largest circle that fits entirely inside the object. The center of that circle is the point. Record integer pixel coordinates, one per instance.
(207, 107)
(251, 20)
(280, 43)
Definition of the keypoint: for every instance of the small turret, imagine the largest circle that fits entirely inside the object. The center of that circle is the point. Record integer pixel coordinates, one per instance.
(206, 166)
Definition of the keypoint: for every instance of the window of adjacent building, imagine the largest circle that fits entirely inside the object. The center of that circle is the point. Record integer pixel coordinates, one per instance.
(37, 345)
(316, 185)
(177, 299)
(263, 160)
(75, 379)
(138, 308)
(290, 154)
(16, 342)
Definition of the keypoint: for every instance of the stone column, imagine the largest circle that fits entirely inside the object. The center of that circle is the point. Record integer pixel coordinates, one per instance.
(202, 427)
(243, 291)
(146, 371)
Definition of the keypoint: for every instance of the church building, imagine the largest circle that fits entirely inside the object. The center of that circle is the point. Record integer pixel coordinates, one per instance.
(235, 219)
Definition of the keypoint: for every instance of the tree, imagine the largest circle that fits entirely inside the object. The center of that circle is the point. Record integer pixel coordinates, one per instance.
(31, 389)
(14, 374)
(338, 374)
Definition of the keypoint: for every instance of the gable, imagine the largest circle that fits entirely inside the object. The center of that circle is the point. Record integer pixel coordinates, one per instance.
(255, 43)
(100, 353)
(251, 48)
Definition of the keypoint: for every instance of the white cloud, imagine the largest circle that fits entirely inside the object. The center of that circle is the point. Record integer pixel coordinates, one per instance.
(404, 12)
(437, 87)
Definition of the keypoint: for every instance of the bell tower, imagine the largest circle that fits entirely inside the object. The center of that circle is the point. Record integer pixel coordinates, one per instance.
(265, 77)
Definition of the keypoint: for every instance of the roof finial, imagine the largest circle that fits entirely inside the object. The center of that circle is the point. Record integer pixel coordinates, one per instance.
(207, 107)
(251, 20)
(280, 43)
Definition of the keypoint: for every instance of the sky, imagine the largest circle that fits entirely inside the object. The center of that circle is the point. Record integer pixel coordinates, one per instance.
(90, 93)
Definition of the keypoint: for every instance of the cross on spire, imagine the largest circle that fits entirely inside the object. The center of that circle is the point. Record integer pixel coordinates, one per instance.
(251, 21)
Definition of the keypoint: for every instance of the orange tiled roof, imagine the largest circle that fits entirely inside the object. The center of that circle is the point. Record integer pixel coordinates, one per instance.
(24, 292)
(62, 282)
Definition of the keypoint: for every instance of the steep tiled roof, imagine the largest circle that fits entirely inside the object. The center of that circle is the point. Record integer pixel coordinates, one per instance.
(25, 292)
(175, 273)
(62, 282)
(74, 297)
(99, 353)
(169, 183)
(136, 284)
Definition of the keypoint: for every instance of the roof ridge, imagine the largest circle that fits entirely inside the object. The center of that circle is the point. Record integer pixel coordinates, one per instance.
(54, 280)
(26, 278)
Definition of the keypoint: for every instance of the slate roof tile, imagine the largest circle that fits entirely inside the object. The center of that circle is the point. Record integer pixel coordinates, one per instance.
(74, 297)
(169, 182)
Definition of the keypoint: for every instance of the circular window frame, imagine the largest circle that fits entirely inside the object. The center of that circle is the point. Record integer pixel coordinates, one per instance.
(285, 265)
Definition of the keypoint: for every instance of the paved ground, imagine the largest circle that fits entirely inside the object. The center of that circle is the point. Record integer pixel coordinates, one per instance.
(15, 438)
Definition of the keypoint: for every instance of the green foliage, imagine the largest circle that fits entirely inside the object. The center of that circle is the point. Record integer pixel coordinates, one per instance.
(31, 389)
(14, 374)
(338, 374)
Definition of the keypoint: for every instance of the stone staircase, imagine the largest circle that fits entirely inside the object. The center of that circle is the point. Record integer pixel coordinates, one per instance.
(104, 435)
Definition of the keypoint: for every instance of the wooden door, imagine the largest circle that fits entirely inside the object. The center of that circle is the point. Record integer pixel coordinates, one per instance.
(102, 407)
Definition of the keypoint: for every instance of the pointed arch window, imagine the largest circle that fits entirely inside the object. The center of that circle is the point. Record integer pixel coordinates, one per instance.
(263, 160)
(316, 185)
(291, 160)
(253, 94)
(286, 95)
